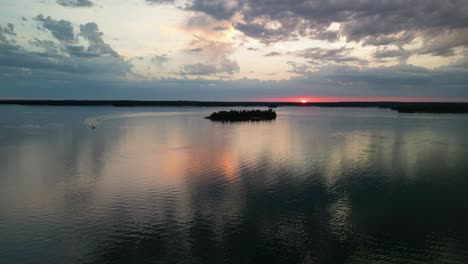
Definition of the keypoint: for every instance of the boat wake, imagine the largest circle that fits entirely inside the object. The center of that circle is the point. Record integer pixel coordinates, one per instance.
(93, 122)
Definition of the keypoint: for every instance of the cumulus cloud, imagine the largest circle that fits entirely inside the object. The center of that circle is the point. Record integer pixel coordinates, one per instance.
(369, 22)
(97, 46)
(213, 57)
(56, 59)
(75, 3)
(219, 9)
(62, 30)
(53, 73)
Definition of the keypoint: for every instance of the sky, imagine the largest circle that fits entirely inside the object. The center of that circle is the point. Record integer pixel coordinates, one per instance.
(234, 50)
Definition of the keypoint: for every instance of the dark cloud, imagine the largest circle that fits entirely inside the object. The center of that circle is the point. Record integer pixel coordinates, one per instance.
(97, 46)
(443, 42)
(62, 30)
(9, 29)
(75, 3)
(7, 38)
(319, 56)
(200, 21)
(400, 54)
(48, 46)
(58, 59)
(52, 74)
(272, 54)
(220, 28)
(195, 50)
(333, 81)
(219, 9)
(51, 64)
(205, 25)
(266, 35)
(398, 39)
(370, 22)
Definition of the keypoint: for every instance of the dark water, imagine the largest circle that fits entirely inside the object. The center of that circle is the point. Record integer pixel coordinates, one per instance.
(163, 185)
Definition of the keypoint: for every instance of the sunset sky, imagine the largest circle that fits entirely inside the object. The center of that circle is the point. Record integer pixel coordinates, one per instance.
(272, 50)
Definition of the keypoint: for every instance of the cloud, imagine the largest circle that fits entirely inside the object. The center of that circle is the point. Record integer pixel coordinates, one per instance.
(225, 66)
(56, 72)
(160, 59)
(219, 9)
(194, 50)
(443, 42)
(210, 50)
(206, 27)
(398, 80)
(48, 46)
(401, 54)
(320, 56)
(9, 29)
(369, 22)
(7, 37)
(75, 3)
(59, 59)
(199, 69)
(97, 46)
(299, 68)
(333, 81)
(62, 30)
(220, 28)
(272, 54)
(159, 2)
(212, 57)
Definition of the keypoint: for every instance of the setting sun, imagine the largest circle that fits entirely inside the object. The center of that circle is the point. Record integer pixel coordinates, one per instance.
(303, 101)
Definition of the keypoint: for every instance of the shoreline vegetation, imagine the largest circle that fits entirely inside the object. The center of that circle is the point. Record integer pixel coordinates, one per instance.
(402, 107)
(242, 115)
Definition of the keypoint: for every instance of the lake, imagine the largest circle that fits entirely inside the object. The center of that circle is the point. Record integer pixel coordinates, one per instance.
(165, 185)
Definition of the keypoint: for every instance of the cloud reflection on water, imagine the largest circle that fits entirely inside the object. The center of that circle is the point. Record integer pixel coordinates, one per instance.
(316, 185)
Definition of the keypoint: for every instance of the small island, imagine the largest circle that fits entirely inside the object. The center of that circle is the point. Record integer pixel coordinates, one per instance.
(243, 115)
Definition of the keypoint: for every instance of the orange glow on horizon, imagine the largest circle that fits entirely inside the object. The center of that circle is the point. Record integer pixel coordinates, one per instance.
(325, 99)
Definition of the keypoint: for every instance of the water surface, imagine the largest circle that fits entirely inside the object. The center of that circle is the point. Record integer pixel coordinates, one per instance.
(164, 185)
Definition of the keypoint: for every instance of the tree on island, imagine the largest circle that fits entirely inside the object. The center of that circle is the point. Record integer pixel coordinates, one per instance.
(243, 115)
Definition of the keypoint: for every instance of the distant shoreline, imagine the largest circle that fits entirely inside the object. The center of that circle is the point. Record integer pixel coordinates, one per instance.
(402, 107)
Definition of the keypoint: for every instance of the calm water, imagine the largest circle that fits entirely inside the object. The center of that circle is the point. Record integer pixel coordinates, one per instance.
(164, 185)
